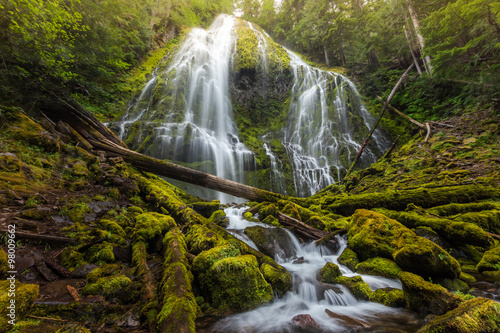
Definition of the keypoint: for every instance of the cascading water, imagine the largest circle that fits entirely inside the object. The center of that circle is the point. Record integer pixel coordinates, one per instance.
(185, 112)
(325, 121)
(309, 296)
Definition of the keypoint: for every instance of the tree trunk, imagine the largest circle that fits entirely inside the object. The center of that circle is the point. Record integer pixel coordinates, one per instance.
(391, 95)
(326, 54)
(415, 60)
(420, 37)
(99, 137)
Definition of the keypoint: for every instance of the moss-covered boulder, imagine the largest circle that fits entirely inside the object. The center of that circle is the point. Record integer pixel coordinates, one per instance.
(453, 284)
(201, 238)
(389, 297)
(379, 266)
(279, 278)
(329, 273)
(359, 288)
(372, 234)
(473, 316)
(348, 258)
(271, 241)
(11, 312)
(490, 261)
(236, 284)
(425, 297)
(219, 218)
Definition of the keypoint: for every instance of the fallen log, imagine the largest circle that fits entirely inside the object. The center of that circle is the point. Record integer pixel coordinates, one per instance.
(91, 131)
(308, 232)
(43, 238)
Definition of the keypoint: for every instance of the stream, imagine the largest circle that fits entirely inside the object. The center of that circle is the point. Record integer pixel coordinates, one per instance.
(311, 297)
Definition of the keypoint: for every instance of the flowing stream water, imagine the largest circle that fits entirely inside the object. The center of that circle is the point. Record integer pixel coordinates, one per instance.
(311, 297)
(185, 114)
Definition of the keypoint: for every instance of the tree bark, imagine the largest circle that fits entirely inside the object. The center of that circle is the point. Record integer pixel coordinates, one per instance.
(415, 60)
(420, 37)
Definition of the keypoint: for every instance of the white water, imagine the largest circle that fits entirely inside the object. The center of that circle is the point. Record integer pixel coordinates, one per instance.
(308, 295)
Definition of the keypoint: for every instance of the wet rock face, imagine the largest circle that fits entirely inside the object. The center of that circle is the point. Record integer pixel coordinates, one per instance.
(271, 241)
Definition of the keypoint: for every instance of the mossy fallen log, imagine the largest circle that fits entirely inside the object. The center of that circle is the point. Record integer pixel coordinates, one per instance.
(399, 199)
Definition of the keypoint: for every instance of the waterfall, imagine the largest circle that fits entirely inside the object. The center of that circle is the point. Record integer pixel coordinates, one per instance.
(186, 113)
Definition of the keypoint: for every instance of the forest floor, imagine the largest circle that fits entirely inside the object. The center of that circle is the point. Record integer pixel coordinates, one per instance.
(71, 194)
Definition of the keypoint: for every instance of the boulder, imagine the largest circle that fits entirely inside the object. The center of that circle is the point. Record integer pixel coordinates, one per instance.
(473, 316)
(271, 241)
(372, 234)
(425, 297)
(379, 266)
(490, 261)
(389, 297)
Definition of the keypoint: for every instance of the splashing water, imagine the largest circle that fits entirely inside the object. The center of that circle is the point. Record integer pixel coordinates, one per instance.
(309, 296)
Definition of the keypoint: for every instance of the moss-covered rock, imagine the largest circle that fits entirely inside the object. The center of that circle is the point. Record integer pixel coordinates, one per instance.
(379, 266)
(473, 316)
(271, 241)
(425, 297)
(236, 284)
(279, 278)
(356, 286)
(453, 284)
(219, 218)
(490, 261)
(329, 273)
(372, 234)
(389, 297)
(267, 210)
(348, 258)
(13, 309)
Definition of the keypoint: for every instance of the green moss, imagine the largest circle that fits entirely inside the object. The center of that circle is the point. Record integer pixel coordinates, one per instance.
(389, 297)
(108, 286)
(112, 227)
(291, 210)
(279, 278)
(219, 218)
(271, 220)
(73, 328)
(329, 273)
(458, 233)
(266, 210)
(206, 259)
(373, 234)
(9, 162)
(25, 295)
(103, 271)
(100, 253)
(348, 258)
(76, 211)
(379, 266)
(473, 316)
(425, 297)
(236, 284)
(151, 224)
(200, 238)
(356, 286)
(206, 208)
(4, 264)
(453, 284)
(490, 261)
(72, 259)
